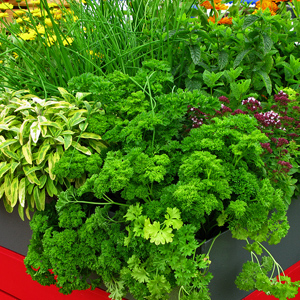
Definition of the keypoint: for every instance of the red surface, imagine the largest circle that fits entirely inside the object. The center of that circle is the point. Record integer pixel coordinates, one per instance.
(16, 284)
(293, 272)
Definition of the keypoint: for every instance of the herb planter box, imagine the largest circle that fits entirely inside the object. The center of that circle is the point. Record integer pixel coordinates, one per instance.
(227, 254)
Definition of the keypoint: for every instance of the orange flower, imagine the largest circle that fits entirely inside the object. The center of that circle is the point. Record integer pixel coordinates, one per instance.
(218, 5)
(212, 19)
(224, 20)
(267, 4)
(207, 5)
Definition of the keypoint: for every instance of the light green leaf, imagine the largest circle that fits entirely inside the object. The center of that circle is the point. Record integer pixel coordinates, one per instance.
(22, 191)
(11, 154)
(89, 135)
(67, 141)
(83, 126)
(30, 174)
(80, 96)
(4, 169)
(21, 212)
(26, 150)
(35, 131)
(43, 180)
(51, 188)
(53, 124)
(98, 146)
(80, 148)
(14, 191)
(173, 218)
(14, 165)
(52, 160)
(7, 143)
(66, 95)
(37, 200)
(42, 153)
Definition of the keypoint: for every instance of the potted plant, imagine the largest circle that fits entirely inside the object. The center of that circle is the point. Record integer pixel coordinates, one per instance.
(179, 168)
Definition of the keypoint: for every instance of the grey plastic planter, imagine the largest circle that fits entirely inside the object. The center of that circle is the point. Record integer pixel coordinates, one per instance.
(227, 254)
(15, 234)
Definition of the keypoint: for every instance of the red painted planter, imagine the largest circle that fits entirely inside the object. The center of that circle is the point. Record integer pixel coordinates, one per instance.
(293, 272)
(15, 284)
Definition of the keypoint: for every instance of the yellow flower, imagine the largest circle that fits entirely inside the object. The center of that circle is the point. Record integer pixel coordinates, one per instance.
(5, 6)
(40, 29)
(48, 22)
(19, 12)
(3, 15)
(36, 13)
(57, 14)
(51, 40)
(22, 20)
(1, 61)
(16, 55)
(51, 5)
(27, 36)
(68, 41)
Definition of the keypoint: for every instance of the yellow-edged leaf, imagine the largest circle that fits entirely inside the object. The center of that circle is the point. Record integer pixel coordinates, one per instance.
(22, 129)
(7, 188)
(7, 205)
(89, 135)
(67, 141)
(7, 143)
(27, 213)
(14, 191)
(4, 169)
(53, 124)
(10, 154)
(42, 198)
(26, 150)
(1, 190)
(60, 139)
(51, 188)
(43, 180)
(28, 170)
(42, 153)
(21, 212)
(83, 126)
(22, 191)
(14, 165)
(35, 131)
(96, 145)
(30, 174)
(81, 148)
(4, 127)
(52, 160)
(32, 200)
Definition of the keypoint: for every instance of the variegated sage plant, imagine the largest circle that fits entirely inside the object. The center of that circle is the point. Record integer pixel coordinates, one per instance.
(34, 133)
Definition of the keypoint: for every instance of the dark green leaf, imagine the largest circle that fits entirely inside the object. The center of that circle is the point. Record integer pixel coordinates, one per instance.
(267, 81)
(223, 59)
(195, 53)
(250, 20)
(240, 57)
